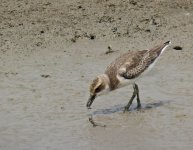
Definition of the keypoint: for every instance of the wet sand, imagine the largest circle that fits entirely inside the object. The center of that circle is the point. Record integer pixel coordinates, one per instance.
(44, 90)
(50, 113)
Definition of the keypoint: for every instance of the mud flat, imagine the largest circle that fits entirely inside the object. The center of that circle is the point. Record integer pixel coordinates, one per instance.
(51, 50)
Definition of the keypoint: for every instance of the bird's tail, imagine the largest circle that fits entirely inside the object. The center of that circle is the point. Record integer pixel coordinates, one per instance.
(160, 48)
(167, 43)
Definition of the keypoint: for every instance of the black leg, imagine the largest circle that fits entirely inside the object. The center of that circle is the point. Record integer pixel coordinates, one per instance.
(138, 100)
(132, 98)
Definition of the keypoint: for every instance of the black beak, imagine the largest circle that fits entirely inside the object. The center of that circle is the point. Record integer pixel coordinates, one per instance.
(90, 101)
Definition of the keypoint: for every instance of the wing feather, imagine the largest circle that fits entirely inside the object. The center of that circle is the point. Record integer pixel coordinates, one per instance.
(134, 66)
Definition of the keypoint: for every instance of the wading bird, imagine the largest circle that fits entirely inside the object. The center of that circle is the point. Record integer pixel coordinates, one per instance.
(125, 70)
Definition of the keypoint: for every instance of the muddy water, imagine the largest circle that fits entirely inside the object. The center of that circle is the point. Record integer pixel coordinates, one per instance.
(43, 99)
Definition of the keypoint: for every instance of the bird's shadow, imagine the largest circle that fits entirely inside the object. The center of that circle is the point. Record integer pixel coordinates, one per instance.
(133, 108)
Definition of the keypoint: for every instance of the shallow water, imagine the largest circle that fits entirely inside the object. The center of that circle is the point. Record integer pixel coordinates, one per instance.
(49, 112)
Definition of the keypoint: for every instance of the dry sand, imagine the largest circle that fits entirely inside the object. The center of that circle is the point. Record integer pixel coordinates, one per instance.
(49, 52)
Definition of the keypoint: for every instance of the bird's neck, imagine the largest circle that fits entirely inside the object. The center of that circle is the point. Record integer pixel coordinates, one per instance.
(105, 79)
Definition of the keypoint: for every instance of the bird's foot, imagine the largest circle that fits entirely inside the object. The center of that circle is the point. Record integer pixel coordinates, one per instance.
(126, 108)
(139, 106)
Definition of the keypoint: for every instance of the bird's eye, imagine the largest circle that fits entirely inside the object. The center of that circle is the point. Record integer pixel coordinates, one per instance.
(97, 90)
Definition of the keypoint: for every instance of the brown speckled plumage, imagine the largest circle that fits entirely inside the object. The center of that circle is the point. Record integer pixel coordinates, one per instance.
(131, 64)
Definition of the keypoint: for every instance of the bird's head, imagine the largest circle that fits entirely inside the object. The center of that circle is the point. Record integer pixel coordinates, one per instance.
(99, 86)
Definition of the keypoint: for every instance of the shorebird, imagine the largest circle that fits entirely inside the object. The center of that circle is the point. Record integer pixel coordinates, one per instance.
(125, 70)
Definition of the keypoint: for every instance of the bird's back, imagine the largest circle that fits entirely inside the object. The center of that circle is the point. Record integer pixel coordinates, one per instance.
(131, 64)
(130, 57)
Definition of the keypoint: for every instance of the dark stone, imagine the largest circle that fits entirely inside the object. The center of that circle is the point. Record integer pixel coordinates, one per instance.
(45, 76)
(177, 47)
(147, 30)
(92, 37)
(42, 32)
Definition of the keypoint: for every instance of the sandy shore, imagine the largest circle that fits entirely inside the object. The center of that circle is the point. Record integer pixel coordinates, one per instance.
(49, 52)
